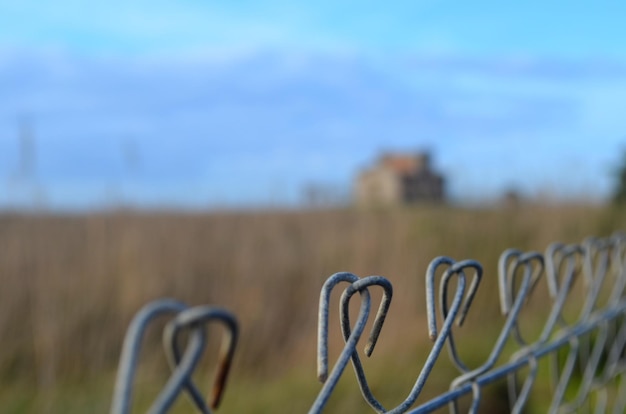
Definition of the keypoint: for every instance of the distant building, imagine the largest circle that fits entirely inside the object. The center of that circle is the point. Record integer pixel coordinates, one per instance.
(399, 179)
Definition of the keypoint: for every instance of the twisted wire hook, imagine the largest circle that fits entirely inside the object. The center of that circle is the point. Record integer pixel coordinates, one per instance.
(457, 269)
(180, 378)
(596, 257)
(345, 327)
(122, 395)
(322, 327)
(611, 366)
(510, 262)
(597, 252)
(615, 330)
(454, 268)
(558, 254)
(196, 319)
(450, 315)
(512, 313)
(615, 364)
(526, 259)
(457, 308)
(578, 347)
(605, 249)
(330, 381)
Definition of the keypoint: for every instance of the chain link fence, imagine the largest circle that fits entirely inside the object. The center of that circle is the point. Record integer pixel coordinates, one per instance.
(586, 356)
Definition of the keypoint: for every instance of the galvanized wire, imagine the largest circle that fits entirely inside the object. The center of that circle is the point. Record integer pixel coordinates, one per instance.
(122, 396)
(594, 344)
(183, 366)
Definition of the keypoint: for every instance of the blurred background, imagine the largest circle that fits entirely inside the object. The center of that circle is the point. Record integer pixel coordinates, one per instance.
(239, 153)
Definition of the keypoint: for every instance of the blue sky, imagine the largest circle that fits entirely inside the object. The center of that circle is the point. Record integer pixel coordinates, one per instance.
(197, 104)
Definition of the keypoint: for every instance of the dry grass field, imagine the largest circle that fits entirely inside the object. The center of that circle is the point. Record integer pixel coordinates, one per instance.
(71, 283)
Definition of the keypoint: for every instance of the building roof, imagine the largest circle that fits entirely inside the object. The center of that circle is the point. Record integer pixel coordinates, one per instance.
(402, 163)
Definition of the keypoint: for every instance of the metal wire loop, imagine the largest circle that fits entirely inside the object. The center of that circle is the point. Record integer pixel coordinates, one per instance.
(322, 327)
(458, 308)
(458, 269)
(454, 268)
(509, 258)
(346, 330)
(532, 264)
(122, 395)
(330, 380)
(196, 319)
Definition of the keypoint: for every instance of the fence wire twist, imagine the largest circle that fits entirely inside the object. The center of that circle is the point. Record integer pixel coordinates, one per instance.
(595, 342)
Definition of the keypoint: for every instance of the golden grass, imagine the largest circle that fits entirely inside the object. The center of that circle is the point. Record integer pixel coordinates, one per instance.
(71, 283)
